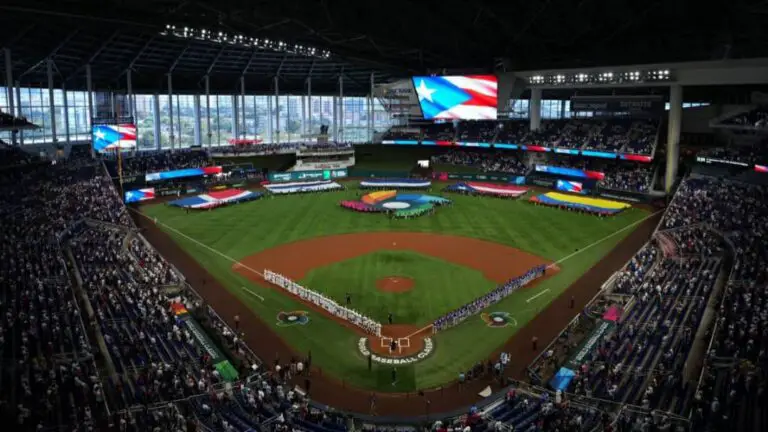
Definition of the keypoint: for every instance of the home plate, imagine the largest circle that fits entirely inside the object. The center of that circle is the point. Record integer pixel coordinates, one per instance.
(292, 318)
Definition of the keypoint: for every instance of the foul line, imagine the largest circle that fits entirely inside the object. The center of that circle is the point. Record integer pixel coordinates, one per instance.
(537, 296)
(226, 257)
(252, 293)
(417, 332)
(591, 245)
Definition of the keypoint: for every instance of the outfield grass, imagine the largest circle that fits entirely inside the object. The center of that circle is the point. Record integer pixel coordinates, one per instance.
(439, 286)
(242, 230)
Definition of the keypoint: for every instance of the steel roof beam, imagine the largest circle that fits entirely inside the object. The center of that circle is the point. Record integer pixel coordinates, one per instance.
(52, 53)
(178, 58)
(94, 56)
(250, 61)
(215, 60)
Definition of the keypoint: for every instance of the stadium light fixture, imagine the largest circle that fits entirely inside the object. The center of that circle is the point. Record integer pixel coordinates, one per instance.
(607, 77)
(221, 37)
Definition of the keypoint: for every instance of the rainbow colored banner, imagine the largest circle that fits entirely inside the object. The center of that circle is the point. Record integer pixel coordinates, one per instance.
(374, 198)
(592, 205)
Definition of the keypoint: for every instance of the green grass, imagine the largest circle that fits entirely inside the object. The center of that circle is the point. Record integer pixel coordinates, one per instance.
(244, 229)
(439, 286)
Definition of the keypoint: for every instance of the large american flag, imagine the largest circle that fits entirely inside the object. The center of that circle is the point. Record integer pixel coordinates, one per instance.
(469, 97)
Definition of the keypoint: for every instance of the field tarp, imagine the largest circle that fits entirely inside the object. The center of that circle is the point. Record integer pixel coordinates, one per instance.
(215, 199)
(580, 202)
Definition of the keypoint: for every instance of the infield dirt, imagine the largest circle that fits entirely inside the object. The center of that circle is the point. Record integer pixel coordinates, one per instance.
(395, 284)
(497, 262)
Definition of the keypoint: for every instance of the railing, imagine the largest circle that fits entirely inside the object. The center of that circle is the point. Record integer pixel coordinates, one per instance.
(706, 362)
(79, 312)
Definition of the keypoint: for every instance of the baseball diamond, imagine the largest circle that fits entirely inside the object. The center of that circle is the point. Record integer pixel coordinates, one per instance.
(347, 258)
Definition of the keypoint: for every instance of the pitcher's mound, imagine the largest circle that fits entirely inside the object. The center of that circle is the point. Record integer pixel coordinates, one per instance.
(395, 284)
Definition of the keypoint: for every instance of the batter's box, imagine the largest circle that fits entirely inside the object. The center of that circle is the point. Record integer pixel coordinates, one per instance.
(404, 342)
(386, 342)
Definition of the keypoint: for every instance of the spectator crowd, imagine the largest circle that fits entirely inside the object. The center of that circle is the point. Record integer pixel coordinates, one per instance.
(756, 118)
(156, 161)
(617, 135)
(485, 161)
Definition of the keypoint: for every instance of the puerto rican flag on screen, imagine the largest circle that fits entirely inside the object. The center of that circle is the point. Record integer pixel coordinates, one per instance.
(467, 97)
(113, 137)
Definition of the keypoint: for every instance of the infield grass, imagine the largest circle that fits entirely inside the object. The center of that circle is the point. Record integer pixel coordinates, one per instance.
(439, 286)
(242, 230)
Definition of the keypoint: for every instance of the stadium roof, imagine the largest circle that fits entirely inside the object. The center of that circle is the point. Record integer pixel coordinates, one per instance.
(390, 38)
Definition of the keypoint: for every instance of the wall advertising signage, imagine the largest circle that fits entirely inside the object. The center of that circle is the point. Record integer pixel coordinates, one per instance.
(634, 104)
(544, 183)
(708, 160)
(308, 175)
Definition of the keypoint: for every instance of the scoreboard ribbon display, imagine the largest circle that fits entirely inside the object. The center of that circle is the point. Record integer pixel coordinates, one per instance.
(570, 172)
(189, 172)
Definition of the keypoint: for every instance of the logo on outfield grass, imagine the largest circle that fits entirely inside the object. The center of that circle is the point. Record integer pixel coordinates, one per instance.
(498, 319)
(285, 319)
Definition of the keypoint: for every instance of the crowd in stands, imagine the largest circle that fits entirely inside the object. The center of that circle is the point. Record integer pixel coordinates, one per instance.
(628, 178)
(756, 118)
(11, 155)
(732, 394)
(478, 131)
(439, 132)
(527, 411)
(48, 373)
(748, 155)
(636, 136)
(400, 133)
(505, 162)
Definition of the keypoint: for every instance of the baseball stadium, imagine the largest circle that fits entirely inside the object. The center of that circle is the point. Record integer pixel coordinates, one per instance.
(247, 217)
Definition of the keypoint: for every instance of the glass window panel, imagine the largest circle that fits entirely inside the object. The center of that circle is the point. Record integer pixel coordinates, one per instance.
(208, 108)
(249, 117)
(225, 117)
(262, 118)
(165, 122)
(293, 121)
(145, 121)
(184, 111)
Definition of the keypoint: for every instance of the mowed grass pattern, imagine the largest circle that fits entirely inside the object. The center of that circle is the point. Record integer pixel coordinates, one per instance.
(439, 286)
(241, 230)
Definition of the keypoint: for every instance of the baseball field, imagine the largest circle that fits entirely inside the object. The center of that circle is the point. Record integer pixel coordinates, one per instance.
(411, 271)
